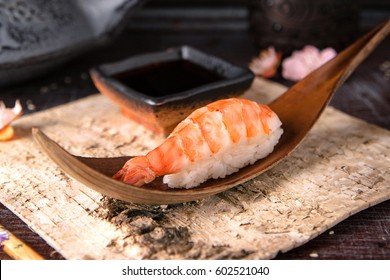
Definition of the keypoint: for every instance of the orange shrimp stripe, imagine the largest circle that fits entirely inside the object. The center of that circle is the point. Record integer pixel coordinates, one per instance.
(248, 107)
(240, 118)
(168, 157)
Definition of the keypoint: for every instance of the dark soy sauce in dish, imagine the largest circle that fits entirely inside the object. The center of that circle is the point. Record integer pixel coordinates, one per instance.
(166, 78)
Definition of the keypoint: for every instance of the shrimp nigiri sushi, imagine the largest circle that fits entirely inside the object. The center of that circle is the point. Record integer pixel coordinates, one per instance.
(212, 142)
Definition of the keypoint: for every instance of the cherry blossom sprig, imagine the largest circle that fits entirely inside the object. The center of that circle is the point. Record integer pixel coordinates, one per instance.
(295, 67)
(8, 115)
(266, 63)
(303, 62)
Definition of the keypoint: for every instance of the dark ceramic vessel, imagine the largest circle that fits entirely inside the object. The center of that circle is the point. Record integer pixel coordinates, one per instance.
(160, 89)
(38, 35)
(289, 25)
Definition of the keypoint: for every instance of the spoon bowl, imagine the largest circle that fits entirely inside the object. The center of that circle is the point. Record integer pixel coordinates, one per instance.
(298, 109)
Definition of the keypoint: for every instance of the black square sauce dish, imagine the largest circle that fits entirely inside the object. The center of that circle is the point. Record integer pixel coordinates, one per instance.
(160, 89)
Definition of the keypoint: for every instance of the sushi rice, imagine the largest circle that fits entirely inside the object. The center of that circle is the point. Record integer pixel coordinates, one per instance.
(229, 160)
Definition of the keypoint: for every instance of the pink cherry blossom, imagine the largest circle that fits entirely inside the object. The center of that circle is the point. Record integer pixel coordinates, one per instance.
(8, 115)
(266, 63)
(303, 62)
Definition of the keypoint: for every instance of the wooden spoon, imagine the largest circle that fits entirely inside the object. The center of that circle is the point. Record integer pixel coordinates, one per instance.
(298, 109)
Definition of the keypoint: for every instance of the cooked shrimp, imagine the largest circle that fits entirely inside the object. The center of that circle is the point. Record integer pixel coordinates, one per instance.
(209, 135)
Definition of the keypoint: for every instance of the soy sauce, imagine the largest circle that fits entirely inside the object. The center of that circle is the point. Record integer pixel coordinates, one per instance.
(167, 78)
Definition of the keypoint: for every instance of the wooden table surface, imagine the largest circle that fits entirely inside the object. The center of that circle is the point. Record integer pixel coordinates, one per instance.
(366, 95)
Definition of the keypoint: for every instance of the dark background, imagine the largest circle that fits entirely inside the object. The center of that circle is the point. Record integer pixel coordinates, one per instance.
(223, 28)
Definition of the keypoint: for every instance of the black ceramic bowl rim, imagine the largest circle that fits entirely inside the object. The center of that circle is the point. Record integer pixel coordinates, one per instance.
(234, 78)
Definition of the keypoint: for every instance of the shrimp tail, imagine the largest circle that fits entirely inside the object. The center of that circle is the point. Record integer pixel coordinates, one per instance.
(136, 172)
